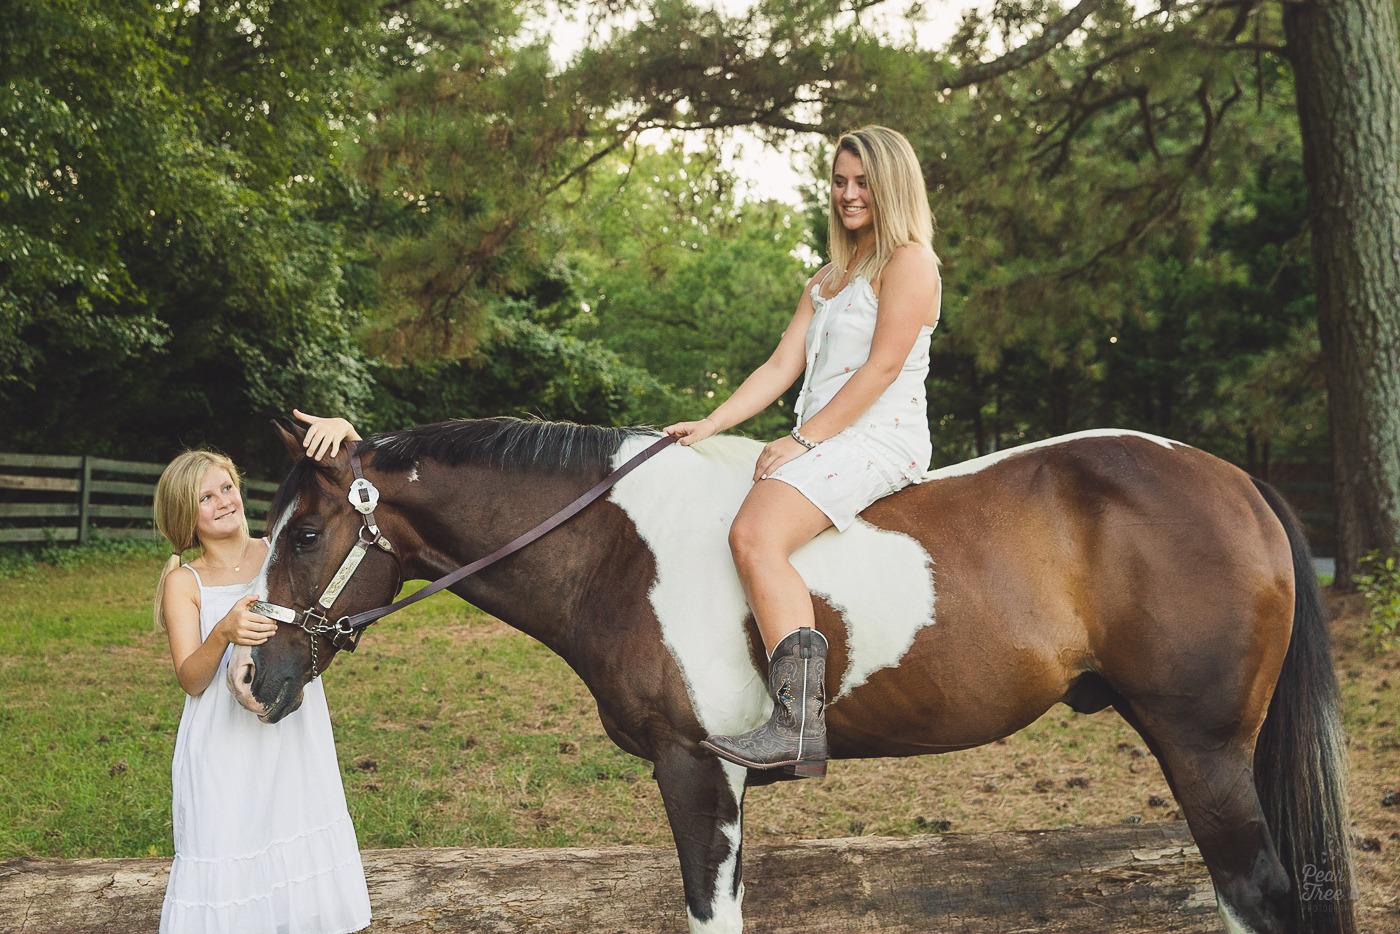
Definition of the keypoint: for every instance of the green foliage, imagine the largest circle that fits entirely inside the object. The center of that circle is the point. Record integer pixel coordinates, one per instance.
(680, 277)
(169, 222)
(72, 78)
(22, 561)
(523, 368)
(1379, 582)
(209, 213)
(464, 151)
(1135, 258)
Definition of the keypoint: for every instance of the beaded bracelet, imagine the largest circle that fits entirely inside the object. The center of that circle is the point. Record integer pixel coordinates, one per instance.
(803, 441)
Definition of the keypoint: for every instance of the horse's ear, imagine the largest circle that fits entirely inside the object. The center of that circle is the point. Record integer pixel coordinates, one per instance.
(336, 469)
(291, 434)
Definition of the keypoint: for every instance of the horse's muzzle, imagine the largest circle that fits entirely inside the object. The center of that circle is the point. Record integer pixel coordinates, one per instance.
(242, 680)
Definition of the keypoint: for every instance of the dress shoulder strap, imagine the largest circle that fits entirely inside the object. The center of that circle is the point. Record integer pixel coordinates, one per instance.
(197, 579)
(821, 283)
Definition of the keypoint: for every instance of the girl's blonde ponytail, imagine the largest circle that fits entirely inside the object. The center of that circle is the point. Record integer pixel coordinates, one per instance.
(171, 564)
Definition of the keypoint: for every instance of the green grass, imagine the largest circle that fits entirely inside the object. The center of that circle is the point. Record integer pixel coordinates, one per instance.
(88, 726)
(452, 729)
(24, 562)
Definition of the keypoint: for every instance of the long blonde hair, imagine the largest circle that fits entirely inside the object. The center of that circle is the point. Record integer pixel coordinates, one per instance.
(177, 510)
(898, 200)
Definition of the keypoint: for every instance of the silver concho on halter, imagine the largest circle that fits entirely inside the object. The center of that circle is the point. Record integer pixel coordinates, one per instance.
(364, 496)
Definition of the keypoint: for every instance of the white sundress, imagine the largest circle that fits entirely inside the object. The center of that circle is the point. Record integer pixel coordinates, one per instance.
(888, 446)
(263, 839)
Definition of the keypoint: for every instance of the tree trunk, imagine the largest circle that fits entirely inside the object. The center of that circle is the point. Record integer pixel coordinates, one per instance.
(1144, 878)
(1347, 71)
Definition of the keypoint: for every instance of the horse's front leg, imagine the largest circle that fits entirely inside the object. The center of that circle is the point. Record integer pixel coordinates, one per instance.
(704, 799)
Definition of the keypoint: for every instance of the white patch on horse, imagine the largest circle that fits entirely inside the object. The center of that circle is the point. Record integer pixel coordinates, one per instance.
(272, 537)
(682, 506)
(727, 909)
(241, 656)
(413, 473)
(987, 460)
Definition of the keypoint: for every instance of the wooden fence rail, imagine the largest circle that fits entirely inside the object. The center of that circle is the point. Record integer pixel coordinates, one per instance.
(76, 498)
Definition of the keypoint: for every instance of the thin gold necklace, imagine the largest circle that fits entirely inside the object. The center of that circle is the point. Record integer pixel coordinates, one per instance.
(230, 567)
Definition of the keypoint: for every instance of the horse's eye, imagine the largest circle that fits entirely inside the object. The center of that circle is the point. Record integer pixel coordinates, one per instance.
(304, 539)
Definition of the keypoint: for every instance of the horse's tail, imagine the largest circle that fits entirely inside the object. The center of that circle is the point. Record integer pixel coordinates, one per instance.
(1300, 758)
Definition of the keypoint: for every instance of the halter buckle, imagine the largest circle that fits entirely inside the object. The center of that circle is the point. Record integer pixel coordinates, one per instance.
(314, 622)
(345, 638)
(372, 536)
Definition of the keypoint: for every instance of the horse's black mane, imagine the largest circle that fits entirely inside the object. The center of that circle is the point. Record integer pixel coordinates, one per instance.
(502, 443)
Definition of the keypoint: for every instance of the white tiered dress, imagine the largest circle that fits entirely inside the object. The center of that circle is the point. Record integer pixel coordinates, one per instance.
(263, 839)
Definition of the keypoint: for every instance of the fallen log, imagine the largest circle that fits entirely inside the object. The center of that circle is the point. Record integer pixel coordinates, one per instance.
(1137, 878)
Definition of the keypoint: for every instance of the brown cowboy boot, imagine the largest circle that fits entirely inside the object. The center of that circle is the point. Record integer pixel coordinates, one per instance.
(795, 736)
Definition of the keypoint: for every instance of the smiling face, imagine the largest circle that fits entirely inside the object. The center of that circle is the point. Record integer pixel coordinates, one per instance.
(220, 506)
(850, 195)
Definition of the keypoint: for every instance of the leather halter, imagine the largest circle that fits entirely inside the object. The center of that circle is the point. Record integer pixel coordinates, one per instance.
(344, 633)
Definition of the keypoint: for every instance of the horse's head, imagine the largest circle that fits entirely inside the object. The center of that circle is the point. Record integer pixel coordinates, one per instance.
(313, 529)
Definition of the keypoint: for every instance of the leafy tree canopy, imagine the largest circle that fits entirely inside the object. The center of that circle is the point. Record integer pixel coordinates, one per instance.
(209, 213)
(170, 211)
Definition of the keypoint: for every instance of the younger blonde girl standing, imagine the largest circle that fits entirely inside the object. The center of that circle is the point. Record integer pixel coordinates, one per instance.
(263, 839)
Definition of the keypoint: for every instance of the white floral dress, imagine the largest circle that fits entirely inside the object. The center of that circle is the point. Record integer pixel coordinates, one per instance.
(888, 446)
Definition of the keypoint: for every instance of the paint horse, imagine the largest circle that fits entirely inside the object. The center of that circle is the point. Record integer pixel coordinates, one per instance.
(1099, 569)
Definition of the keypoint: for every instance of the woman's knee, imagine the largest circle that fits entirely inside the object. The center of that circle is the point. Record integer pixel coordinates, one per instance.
(749, 540)
(769, 527)
(743, 535)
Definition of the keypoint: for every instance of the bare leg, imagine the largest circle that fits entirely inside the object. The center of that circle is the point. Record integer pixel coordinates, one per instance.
(774, 521)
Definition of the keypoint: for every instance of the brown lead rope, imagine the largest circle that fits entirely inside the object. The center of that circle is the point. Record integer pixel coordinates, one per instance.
(359, 621)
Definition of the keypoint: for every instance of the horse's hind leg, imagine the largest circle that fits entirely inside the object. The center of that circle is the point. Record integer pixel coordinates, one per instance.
(704, 798)
(1214, 783)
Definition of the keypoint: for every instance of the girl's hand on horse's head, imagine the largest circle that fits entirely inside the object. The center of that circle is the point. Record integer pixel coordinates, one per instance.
(244, 627)
(325, 434)
(687, 433)
(775, 454)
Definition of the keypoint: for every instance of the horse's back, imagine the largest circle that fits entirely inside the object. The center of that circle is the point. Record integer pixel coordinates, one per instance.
(1093, 509)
